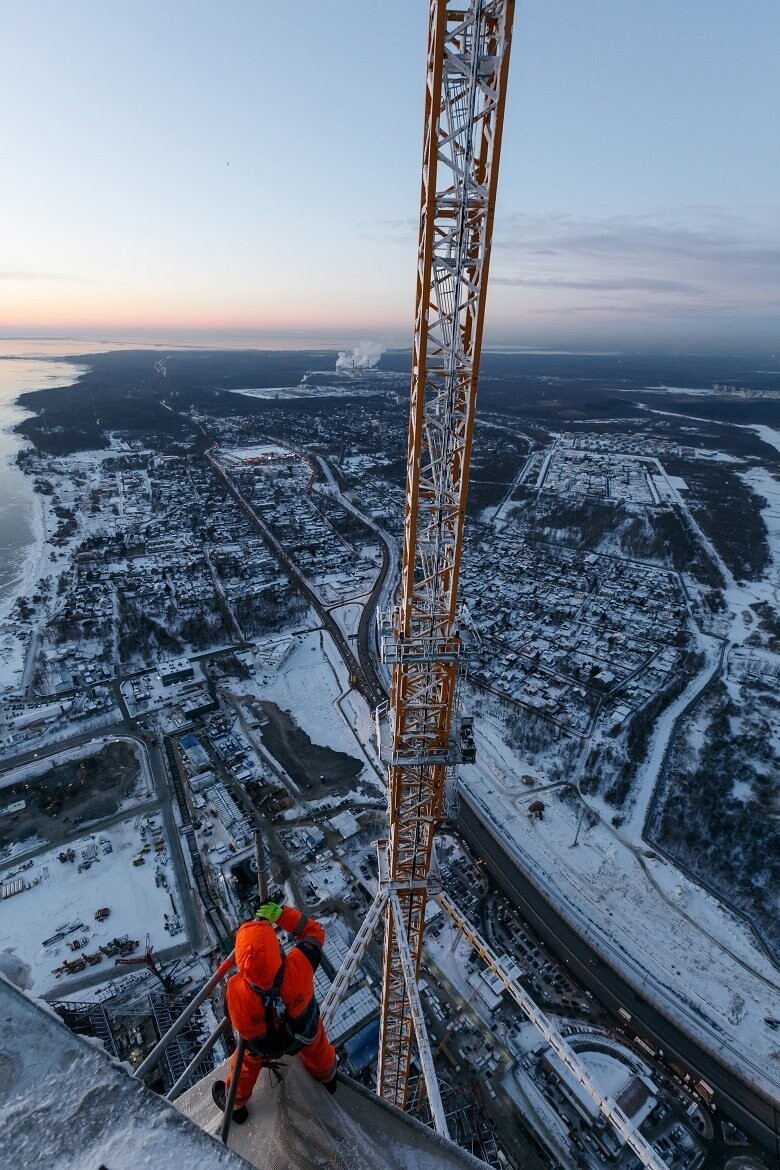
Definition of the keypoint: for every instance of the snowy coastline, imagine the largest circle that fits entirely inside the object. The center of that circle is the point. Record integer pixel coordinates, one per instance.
(24, 522)
(36, 563)
(37, 558)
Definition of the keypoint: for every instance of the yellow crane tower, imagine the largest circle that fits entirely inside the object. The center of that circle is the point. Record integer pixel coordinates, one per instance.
(465, 93)
(467, 64)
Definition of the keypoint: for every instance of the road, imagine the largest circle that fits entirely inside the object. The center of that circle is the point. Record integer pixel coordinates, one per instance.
(173, 836)
(753, 1112)
(389, 569)
(30, 661)
(363, 683)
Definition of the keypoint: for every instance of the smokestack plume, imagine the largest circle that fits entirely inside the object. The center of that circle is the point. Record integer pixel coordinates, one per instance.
(364, 356)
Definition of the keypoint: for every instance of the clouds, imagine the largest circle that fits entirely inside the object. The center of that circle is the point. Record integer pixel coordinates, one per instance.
(11, 274)
(700, 273)
(703, 269)
(701, 253)
(599, 284)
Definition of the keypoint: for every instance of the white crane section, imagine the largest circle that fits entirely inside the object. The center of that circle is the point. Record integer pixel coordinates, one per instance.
(623, 1126)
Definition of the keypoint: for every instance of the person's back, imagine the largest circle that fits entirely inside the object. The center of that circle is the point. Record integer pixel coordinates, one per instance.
(271, 1001)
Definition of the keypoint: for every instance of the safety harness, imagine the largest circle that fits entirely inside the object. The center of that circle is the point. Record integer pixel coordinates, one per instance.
(280, 1038)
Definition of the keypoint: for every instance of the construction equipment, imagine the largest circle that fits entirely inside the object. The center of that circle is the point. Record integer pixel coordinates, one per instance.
(120, 946)
(147, 959)
(456, 1019)
(70, 967)
(467, 65)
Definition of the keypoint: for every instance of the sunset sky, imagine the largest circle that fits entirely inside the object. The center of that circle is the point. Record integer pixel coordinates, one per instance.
(251, 169)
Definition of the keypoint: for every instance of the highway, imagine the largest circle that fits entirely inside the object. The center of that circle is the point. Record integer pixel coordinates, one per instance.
(389, 570)
(323, 472)
(752, 1111)
(366, 684)
(187, 900)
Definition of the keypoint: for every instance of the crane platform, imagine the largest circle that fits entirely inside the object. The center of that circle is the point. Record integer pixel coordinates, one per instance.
(65, 1103)
(297, 1124)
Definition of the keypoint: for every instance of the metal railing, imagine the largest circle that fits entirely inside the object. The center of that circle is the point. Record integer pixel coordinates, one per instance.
(222, 971)
(223, 1027)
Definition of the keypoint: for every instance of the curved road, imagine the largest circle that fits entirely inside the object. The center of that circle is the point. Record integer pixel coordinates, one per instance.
(389, 560)
(752, 1111)
(367, 623)
(365, 683)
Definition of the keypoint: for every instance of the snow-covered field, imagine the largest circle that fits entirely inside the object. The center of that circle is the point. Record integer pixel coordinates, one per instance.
(308, 685)
(348, 617)
(64, 897)
(767, 486)
(667, 935)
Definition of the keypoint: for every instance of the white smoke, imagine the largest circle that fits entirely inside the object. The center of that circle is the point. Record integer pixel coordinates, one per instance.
(364, 356)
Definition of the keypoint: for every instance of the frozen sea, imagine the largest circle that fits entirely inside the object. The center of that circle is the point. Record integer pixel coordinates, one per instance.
(24, 365)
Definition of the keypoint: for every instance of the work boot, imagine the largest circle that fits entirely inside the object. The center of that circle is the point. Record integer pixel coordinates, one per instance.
(219, 1095)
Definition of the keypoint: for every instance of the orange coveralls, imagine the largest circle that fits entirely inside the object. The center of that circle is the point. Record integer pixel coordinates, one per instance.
(259, 958)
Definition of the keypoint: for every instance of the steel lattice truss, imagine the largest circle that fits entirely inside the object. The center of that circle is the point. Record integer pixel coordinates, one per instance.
(468, 58)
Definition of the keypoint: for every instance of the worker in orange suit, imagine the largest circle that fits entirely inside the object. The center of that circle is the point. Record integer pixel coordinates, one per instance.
(271, 1002)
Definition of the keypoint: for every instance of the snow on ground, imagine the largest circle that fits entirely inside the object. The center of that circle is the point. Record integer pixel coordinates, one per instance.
(768, 434)
(147, 693)
(696, 391)
(308, 685)
(357, 714)
(717, 456)
(646, 779)
(83, 752)
(63, 896)
(45, 560)
(741, 790)
(542, 1114)
(258, 452)
(327, 880)
(451, 951)
(13, 650)
(760, 480)
(64, 729)
(711, 916)
(609, 1073)
(338, 802)
(67, 1105)
(676, 942)
(347, 617)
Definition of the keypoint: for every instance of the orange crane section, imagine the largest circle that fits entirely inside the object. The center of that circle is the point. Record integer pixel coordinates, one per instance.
(467, 64)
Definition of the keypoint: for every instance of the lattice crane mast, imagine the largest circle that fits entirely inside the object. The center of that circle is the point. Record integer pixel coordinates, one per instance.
(468, 59)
